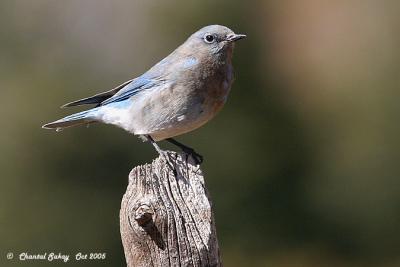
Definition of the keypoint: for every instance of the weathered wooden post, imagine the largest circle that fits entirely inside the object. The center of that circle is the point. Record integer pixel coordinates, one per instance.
(166, 216)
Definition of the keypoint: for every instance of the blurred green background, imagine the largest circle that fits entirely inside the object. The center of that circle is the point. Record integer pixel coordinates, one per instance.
(302, 163)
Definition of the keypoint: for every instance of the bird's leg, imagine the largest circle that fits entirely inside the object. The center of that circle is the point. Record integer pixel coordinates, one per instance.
(188, 150)
(160, 151)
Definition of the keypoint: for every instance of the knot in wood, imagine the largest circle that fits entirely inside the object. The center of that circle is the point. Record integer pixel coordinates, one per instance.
(144, 215)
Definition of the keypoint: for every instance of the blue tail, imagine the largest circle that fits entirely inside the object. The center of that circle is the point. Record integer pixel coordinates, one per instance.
(84, 117)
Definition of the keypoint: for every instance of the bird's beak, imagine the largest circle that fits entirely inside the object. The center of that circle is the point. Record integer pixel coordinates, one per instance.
(234, 37)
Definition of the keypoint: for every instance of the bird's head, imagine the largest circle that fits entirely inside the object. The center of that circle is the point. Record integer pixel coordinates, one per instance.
(214, 39)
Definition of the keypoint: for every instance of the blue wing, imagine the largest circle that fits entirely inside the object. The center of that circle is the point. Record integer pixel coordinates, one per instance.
(135, 86)
(98, 98)
(119, 93)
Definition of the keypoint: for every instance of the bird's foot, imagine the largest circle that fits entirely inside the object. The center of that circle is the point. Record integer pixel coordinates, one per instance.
(167, 159)
(196, 156)
(188, 150)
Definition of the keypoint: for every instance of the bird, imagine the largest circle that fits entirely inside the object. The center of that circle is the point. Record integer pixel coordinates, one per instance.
(177, 95)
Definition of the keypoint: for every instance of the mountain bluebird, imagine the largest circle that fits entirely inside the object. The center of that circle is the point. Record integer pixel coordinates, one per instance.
(177, 95)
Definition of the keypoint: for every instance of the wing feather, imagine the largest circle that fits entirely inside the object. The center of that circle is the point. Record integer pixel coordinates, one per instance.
(98, 98)
(137, 85)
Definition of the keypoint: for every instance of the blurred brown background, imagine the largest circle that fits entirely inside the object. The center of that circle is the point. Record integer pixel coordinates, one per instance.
(302, 163)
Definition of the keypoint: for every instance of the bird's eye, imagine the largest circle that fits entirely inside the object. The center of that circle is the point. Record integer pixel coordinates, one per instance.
(209, 38)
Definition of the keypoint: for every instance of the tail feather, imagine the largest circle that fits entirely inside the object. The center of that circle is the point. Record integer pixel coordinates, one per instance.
(84, 117)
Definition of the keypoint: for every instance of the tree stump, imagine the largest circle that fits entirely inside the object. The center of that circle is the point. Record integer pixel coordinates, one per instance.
(166, 215)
